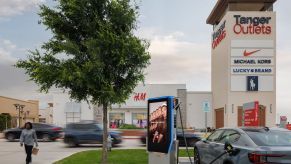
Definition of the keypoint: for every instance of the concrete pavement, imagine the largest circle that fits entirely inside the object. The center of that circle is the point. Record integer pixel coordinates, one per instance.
(12, 153)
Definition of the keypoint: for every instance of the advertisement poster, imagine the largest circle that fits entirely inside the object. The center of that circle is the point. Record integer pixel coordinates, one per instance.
(251, 111)
(159, 128)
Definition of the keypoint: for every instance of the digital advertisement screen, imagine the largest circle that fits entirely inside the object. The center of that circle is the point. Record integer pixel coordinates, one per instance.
(159, 125)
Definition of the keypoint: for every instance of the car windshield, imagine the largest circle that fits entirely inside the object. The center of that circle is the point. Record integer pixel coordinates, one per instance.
(100, 126)
(271, 138)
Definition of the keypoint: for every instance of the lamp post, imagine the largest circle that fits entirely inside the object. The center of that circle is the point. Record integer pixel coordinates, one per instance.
(20, 110)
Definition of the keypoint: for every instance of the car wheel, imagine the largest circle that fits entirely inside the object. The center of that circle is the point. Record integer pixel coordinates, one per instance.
(196, 156)
(71, 142)
(46, 138)
(10, 137)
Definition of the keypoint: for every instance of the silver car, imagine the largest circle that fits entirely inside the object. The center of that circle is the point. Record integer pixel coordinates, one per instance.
(251, 144)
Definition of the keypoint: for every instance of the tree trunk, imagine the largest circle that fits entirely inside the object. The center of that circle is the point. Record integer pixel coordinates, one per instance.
(105, 135)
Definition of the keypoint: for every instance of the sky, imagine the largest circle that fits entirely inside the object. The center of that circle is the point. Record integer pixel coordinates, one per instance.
(179, 36)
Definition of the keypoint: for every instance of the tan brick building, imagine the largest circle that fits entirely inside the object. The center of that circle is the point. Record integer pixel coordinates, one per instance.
(26, 110)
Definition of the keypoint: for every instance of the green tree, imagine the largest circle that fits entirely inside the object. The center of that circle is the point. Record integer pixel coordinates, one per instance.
(93, 53)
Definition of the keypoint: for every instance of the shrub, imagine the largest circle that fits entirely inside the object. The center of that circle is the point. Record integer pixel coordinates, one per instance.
(4, 118)
(128, 126)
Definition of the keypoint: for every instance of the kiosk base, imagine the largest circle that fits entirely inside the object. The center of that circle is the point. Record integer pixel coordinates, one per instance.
(160, 158)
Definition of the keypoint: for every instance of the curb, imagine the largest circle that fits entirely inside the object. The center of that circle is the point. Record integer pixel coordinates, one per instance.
(131, 137)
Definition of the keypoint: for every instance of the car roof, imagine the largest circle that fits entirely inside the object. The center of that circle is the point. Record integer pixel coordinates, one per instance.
(254, 129)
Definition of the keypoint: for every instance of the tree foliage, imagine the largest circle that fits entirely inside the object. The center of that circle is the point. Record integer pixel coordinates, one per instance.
(93, 53)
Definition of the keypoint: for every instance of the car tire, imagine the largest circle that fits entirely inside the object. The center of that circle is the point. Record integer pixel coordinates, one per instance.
(10, 137)
(196, 156)
(71, 142)
(46, 138)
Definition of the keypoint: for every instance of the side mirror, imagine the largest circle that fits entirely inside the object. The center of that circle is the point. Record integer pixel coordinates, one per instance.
(230, 150)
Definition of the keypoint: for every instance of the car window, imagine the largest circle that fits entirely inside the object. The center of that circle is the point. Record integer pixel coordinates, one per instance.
(84, 126)
(79, 127)
(230, 136)
(215, 136)
(99, 126)
(271, 138)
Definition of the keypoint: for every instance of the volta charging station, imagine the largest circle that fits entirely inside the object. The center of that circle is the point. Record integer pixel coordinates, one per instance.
(162, 144)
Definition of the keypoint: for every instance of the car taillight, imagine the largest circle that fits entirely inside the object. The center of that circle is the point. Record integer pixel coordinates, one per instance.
(57, 129)
(262, 158)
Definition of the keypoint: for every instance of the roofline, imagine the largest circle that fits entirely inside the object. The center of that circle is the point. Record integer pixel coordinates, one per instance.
(197, 92)
(221, 5)
(30, 102)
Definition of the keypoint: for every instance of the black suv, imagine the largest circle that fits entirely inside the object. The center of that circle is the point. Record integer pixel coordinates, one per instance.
(45, 132)
(87, 133)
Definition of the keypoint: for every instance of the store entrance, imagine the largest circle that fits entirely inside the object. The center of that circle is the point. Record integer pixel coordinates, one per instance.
(219, 118)
(116, 120)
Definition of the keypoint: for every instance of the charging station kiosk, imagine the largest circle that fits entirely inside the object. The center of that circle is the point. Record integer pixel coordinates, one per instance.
(162, 145)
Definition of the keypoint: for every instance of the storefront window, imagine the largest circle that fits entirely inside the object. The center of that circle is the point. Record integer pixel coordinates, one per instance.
(139, 120)
(116, 119)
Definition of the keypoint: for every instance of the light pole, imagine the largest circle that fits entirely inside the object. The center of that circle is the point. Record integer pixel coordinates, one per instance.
(20, 110)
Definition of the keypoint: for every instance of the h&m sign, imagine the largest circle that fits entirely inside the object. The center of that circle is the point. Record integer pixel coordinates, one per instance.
(139, 96)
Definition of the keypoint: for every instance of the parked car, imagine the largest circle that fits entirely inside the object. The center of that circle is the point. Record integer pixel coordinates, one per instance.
(191, 138)
(45, 132)
(251, 144)
(88, 133)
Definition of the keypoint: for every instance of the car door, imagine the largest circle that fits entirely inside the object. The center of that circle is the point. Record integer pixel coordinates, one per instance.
(94, 134)
(37, 128)
(99, 133)
(206, 149)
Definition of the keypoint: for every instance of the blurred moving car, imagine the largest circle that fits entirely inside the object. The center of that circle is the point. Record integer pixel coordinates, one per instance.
(251, 144)
(88, 133)
(191, 138)
(44, 132)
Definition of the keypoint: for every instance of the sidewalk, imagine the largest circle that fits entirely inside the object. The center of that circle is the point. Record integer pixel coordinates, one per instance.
(131, 137)
(185, 160)
(1, 135)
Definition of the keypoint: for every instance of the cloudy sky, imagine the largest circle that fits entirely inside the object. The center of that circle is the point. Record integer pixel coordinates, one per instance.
(180, 44)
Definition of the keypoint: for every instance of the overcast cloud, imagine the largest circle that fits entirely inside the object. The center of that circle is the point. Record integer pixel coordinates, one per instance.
(17, 7)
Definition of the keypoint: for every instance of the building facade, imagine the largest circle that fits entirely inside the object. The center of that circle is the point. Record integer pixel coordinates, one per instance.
(134, 110)
(243, 60)
(21, 111)
(67, 111)
(46, 114)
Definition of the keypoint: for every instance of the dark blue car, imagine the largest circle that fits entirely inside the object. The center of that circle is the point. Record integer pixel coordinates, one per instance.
(87, 133)
(44, 132)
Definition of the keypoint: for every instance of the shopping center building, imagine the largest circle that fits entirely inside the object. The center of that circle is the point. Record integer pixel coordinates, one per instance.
(21, 111)
(243, 67)
(134, 110)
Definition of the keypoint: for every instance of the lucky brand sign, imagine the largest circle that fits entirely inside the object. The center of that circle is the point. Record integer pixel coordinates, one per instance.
(251, 114)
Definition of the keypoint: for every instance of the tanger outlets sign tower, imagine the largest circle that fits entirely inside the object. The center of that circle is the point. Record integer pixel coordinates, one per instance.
(243, 60)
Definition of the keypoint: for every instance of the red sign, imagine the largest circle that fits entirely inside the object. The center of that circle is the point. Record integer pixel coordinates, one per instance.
(218, 35)
(283, 118)
(251, 112)
(139, 97)
(252, 25)
(288, 126)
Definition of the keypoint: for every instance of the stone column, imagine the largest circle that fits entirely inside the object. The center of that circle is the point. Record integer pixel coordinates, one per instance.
(182, 95)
